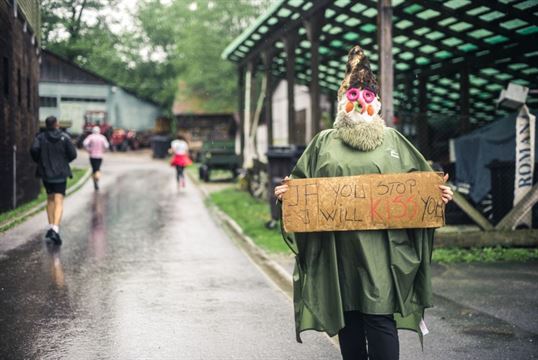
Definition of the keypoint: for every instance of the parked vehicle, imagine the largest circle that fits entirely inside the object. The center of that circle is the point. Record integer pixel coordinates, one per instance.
(218, 155)
(132, 140)
(124, 140)
(119, 140)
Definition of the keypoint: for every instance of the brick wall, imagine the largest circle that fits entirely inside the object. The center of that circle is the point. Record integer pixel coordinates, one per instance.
(19, 76)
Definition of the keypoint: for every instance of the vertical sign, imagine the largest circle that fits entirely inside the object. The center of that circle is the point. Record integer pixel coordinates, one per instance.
(525, 134)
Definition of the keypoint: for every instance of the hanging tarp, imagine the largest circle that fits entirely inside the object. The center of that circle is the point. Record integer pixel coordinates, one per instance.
(474, 151)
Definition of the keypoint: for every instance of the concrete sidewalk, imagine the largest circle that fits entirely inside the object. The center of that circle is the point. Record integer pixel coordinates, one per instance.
(482, 310)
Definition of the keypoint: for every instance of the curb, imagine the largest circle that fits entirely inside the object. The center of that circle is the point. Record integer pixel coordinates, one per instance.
(273, 269)
(81, 182)
(482, 238)
(6, 225)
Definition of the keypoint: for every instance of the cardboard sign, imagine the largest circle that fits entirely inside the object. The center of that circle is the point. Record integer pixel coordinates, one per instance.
(389, 201)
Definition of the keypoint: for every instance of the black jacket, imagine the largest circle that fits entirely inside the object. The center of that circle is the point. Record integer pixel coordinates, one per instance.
(53, 150)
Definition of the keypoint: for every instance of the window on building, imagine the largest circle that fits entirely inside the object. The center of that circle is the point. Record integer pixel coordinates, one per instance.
(5, 76)
(47, 101)
(19, 86)
(82, 99)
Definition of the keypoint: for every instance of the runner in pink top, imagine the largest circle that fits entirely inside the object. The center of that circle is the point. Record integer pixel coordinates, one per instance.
(96, 144)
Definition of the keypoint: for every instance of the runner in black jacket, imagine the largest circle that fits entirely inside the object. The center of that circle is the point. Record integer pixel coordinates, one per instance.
(53, 150)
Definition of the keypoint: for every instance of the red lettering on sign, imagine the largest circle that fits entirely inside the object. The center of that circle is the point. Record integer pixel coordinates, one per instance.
(373, 209)
(398, 201)
(411, 201)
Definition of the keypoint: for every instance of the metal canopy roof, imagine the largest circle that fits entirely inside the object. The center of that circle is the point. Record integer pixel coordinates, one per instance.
(496, 39)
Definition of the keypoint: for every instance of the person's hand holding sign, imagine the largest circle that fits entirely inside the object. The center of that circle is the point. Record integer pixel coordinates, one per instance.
(281, 189)
(446, 191)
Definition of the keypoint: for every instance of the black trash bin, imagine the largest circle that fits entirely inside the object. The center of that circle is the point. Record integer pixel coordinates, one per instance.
(502, 189)
(281, 161)
(160, 145)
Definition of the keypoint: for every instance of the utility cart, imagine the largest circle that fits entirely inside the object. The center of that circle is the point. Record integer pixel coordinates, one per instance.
(218, 154)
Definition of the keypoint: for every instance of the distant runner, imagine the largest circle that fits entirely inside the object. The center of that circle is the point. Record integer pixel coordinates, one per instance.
(96, 144)
(181, 159)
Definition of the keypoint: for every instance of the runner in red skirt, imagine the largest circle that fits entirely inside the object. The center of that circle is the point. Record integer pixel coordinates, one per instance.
(180, 159)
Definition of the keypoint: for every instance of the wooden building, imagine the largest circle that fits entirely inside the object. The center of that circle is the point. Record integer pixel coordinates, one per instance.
(19, 76)
(72, 93)
(200, 128)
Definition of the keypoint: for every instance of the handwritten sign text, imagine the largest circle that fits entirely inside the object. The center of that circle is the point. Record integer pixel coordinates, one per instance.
(388, 201)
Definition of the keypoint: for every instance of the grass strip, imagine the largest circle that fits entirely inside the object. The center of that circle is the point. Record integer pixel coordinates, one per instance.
(6, 216)
(193, 171)
(215, 175)
(484, 255)
(251, 215)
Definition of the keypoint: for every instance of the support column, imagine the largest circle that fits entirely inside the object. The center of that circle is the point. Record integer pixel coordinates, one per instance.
(247, 116)
(386, 77)
(268, 56)
(465, 122)
(241, 107)
(406, 117)
(422, 118)
(333, 99)
(290, 43)
(313, 31)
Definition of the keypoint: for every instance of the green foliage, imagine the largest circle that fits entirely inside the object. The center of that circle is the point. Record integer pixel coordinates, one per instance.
(173, 43)
(487, 254)
(194, 38)
(66, 17)
(94, 46)
(251, 215)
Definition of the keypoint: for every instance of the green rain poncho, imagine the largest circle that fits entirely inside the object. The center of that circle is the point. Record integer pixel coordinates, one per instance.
(374, 271)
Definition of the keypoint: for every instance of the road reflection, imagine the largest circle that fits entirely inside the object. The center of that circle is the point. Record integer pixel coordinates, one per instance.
(56, 268)
(97, 242)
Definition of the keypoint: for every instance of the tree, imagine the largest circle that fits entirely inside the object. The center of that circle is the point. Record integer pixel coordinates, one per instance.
(64, 18)
(95, 47)
(179, 42)
(194, 34)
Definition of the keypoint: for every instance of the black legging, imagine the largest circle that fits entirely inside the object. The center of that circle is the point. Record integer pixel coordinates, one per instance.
(179, 172)
(380, 332)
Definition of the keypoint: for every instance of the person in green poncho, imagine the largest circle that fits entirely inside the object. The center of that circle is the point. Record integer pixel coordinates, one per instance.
(361, 285)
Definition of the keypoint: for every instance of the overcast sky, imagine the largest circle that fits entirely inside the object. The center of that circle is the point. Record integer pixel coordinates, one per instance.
(120, 16)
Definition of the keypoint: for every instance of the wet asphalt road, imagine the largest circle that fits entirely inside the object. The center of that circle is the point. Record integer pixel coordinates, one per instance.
(144, 273)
